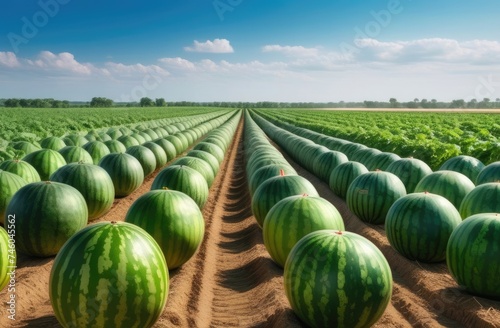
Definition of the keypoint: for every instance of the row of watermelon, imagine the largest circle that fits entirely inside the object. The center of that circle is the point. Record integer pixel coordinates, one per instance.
(423, 225)
(332, 277)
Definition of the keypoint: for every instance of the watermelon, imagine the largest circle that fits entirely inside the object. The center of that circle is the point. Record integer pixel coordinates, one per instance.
(115, 146)
(484, 198)
(174, 140)
(47, 215)
(97, 150)
(74, 140)
(337, 279)
(343, 175)
(25, 147)
(275, 189)
(160, 155)
(371, 195)
(327, 162)
(54, 143)
(467, 165)
(168, 147)
(139, 137)
(449, 184)
(490, 173)
(45, 162)
(93, 182)
(381, 161)
(184, 179)
(199, 165)
(145, 156)
(207, 157)
(10, 183)
(173, 219)
(8, 256)
(128, 141)
(364, 155)
(294, 217)
(125, 171)
(21, 168)
(419, 225)
(113, 275)
(212, 149)
(473, 252)
(266, 172)
(75, 154)
(410, 171)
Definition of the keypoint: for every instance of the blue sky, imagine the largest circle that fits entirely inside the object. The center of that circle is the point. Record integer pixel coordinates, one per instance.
(250, 50)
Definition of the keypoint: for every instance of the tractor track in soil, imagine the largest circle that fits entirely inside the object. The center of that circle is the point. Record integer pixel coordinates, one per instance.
(232, 281)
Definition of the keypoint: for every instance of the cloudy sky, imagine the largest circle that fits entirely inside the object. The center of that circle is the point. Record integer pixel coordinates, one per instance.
(250, 50)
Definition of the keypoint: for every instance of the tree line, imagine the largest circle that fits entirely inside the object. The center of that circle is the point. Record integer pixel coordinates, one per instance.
(100, 102)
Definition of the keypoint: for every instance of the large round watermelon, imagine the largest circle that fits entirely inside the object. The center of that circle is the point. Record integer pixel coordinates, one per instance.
(199, 165)
(294, 217)
(109, 275)
(21, 168)
(419, 225)
(168, 147)
(449, 184)
(275, 189)
(173, 219)
(490, 173)
(45, 162)
(47, 215)
(97, 150)
(54, 143)
(410, 171)
(10, 183)
(337, 279)
(207, 157)
(160, 155)
(371, 195)
(343, 175)
(473, 252)
(145, 156)
(75, 154)
(125, 171)
(484, 198)
(266, 172)
(467, 165)
(326, 162)
(183, 179)
(212, 149)
(8, 256)
(93, 182)
(115, 146)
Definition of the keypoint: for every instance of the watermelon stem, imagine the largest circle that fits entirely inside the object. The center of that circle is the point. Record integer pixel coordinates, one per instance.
(282, 173)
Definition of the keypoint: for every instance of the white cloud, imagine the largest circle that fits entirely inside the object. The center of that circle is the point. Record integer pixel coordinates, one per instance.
(9, 59)
(129, 70)
(63, 62)
(178, 63)
(292, 51)
(219, 46)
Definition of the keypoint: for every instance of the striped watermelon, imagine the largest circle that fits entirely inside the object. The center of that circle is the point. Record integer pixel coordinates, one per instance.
(343, 175)
(10, 183)
(128, 141)
(173, 219)
(47, 215)
(266, 172)
(484, 198)
(115, 146)
(109, 275)
(212, 149)
(25, 146)
(45, 162)
(207, 157)
(467, 165)
(419, 225)
(337, 279)
(275, 189)
(490, 173)
(75, 154)
(125, 171)
(174, 140)
(473, 252)
(97, 150)
(371, 195)
(54, 143)
(168, 147)
(183, 179)
(327, 162)
(382, 161)
(449, 184)
(294, 217)
(410, 171)
(199, 165)
(93, 182)
(160, 155)
(74, 140)
(21, 168)
(8, 255)
(145, 156)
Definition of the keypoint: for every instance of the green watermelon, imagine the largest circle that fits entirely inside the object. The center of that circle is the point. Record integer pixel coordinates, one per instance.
(467, 165)
(343, 175)
(10, 183)
(294, 217)
(327, 162)
(97, 150)
(174, 140)
(128, 141)
(410, 171)
(168, 147)
(275, 189)
(419, 225)
(8, 256)
(115, 146)
(125, 171)
(490, 173)
(160, 155)
(212, 149)
(371, 195)
(109, 275)
(484, 198)
(184, 179)
(47, 215)
(173, 219)
(145, 156)
(93, 182)
(337, 279)
(473, 252)
(75, 154)
(199, 165)
(449, 184)
(381, 161)
(266, 172)
(45, 162)
(21, 168)
(54, 143)
(74, 140)
(207, 157)
(25, 147)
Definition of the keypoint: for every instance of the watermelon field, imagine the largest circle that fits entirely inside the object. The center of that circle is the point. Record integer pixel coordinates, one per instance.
(218, 217)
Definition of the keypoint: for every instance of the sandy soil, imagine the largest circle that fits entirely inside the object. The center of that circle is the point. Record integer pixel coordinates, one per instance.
(232, 281)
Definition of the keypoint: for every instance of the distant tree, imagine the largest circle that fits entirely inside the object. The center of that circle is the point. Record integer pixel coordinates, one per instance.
(457, 103)
(485, 103)
(146, 102)
(160, 102)
(394, 103)
(12, 103)
(472, 103)
(101, 102)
